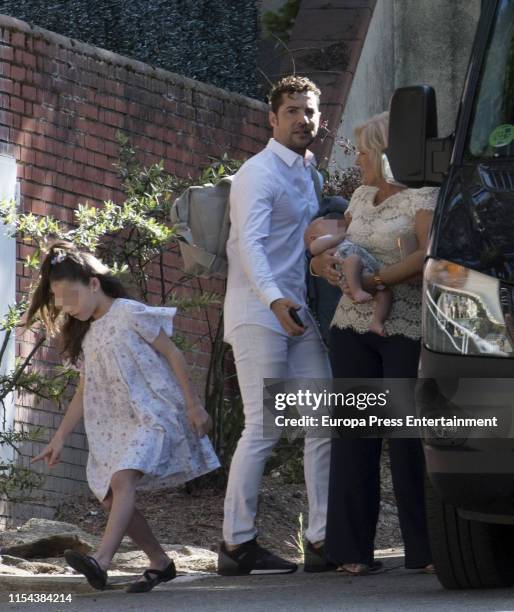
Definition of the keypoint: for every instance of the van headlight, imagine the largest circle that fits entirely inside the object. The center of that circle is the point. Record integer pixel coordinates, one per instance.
(462, 312)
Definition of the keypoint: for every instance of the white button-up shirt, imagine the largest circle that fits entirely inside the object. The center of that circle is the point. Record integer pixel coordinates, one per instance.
(272, 200)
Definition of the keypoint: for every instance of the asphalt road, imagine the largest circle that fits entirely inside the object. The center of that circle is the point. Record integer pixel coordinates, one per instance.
(394, 590)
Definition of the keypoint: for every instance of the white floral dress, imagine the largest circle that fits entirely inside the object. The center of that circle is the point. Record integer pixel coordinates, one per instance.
(134, 411)
(377, 229)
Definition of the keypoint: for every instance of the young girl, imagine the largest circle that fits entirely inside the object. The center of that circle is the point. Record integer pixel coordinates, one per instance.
(142, 417)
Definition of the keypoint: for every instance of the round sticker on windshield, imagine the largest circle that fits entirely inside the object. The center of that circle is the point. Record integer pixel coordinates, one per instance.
(502, 135)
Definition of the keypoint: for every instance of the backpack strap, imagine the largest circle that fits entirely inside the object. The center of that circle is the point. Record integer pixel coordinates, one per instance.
(317, 182)
(225, 228)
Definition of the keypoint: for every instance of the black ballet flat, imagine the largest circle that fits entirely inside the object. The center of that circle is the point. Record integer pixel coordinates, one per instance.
(95, 575)
(152, 578)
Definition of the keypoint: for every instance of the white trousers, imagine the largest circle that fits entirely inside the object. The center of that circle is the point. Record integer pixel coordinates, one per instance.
(260, 353)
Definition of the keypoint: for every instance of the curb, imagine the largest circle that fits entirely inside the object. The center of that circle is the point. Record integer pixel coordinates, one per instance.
(75, 584)
(57, 584)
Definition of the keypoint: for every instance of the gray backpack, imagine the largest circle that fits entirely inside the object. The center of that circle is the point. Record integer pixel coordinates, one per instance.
(201, 216)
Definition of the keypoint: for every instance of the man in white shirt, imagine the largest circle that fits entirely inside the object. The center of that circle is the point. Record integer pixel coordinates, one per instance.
(272, 200)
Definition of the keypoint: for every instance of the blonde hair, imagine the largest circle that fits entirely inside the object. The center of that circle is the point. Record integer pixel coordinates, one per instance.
(372, 137)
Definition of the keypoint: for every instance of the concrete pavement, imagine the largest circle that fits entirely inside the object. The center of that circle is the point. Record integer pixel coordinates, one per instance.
(394, 590)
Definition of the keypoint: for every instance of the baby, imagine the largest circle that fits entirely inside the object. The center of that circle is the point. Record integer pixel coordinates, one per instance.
(323, 234)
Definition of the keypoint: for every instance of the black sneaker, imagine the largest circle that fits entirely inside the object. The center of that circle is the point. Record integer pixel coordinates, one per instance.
(250, 558)
(315, 559)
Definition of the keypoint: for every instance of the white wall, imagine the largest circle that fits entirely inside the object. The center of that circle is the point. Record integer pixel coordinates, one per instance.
(7, 279)
(373, 83)
(411, 42)
(433, 41)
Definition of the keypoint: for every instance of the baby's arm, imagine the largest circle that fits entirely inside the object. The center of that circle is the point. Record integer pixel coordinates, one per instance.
(198, 418)
(52, 452)
(321, 244)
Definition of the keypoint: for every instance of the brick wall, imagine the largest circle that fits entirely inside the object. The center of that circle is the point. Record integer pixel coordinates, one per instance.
(62, 103)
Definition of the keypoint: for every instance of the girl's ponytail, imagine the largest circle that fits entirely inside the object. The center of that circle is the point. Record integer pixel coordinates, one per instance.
(64, 261)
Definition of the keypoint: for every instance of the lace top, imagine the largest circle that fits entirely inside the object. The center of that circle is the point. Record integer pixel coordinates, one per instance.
(377, 229)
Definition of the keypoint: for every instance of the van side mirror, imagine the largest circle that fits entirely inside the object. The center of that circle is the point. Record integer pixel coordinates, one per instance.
(415, 154)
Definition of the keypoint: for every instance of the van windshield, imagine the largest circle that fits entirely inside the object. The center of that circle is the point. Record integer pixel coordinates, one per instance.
(492, 127)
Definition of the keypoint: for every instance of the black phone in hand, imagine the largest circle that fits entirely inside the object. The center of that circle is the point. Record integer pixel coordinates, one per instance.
(296, 317)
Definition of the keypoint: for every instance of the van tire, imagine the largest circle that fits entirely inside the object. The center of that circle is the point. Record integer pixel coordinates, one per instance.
(468, 554)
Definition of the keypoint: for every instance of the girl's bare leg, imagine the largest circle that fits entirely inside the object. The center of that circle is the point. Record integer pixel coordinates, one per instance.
(383, 303)
(139, 532)
(123, 488)
(352, 269)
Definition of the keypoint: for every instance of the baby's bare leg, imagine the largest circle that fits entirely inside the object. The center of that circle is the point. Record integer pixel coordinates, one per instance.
(383, 303)
(352, 269)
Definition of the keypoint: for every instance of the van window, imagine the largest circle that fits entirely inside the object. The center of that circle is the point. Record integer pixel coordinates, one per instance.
(492, 126)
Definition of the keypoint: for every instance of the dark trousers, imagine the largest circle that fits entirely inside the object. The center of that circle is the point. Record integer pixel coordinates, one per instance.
(354, 488)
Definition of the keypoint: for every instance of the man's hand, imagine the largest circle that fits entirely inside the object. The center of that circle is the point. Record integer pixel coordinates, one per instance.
(280, 309)
(325, 265)
(51, 453)
(199, 420)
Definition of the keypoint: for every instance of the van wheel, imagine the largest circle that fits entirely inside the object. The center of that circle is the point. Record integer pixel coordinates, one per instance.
(468, 554)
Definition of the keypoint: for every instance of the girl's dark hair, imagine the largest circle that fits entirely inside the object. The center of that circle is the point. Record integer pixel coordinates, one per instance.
(64, 261)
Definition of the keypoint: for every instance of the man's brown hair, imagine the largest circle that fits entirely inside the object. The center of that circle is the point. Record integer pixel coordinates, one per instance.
(290, 85)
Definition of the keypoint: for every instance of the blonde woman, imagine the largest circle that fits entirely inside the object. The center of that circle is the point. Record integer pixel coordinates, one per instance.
(378, 214)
